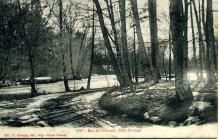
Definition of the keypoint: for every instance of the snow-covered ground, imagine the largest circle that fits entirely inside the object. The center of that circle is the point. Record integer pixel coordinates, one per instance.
(97, 120)
(97, 81)
(82, 111)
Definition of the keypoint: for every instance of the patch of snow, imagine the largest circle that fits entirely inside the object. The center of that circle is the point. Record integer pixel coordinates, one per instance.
(201, 105)
(146, 115)
(40, 99)
(155, 119)
(195, 93)
(106, 124)
(27, 117)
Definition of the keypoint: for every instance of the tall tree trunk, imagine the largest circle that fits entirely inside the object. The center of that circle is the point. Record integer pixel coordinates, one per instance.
(135, 58)
(32, 72)
(30, 55)
(201, 44)
(142, 51)
(170, 55)
(116, 42)
(62, 46)
(202, 22)
(70, 54)
(126, 68)
(185, 49)
(92, 53)
(108, 45)
(177, 24)
(214, 47)
(36, 9)
(194, 43)
(210, 42)
(164, 67)
(152, 8)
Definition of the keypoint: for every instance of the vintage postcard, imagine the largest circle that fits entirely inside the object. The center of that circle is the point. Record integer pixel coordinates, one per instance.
(108, 68)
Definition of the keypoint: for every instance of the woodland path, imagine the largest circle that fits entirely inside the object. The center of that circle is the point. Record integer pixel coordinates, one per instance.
(72, 109)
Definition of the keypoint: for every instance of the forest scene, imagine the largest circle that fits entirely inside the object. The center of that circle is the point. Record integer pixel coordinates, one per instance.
(108, 63)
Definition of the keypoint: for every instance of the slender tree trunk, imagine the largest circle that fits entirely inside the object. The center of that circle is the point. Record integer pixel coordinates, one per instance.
(164, 67)
(209, 35)
(213, 49)
(142, 51)
(152, 6)
(126, 68)
(32, 72)
(135, 58)
(185, 49)
(92, 53)
(30, 55)
(108, 45)
(62, 46)
(201, 44)
(124, 36)
(170, 55)
(194, 43)
(70, 53)
(112, 20)
(36, 9)
(177, 24)
(202, 22)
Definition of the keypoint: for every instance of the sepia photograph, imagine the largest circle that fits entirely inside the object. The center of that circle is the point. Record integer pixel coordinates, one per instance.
(108, 69)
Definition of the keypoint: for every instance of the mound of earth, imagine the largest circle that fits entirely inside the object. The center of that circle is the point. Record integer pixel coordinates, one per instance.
(157, 104)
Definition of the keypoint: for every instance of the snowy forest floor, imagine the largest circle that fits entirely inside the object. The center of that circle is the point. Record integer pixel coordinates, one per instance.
(158, 103)
(63, 111)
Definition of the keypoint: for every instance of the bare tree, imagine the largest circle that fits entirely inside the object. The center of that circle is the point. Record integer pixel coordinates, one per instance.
(62, 46)
(126, 67)
(185, 49)
(107, 43)
(142, 51)
(113, 25)
(28, 44)
(170, 54)
(177, 25)
(152, 8)
(122, 60)
(135, 57)
(210, 42)
(194, 42)
(92, 51)
(201, 44)
(69, 24)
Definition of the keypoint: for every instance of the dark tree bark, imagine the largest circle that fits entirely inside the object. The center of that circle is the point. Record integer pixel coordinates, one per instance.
(194, 43)
(202, 20)
(164, 67)
(135, 57)
(142, 51)
(126, 68)
(30, 53)
(70, 53)
(210, 43)
(70, 29)
(170, 55)
(107, 43)
(67, 89)
(201, 44)
(177, 24)
(92, 53)
(116, 42)
(36, 8)
(152, 8)
(185, 49)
